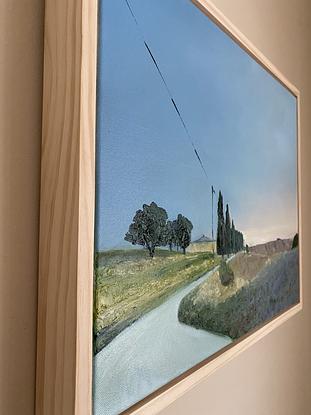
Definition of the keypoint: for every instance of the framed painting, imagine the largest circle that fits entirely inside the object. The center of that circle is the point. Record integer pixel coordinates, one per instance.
(170, 215)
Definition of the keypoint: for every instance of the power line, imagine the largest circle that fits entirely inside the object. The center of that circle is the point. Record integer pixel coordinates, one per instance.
(167, 89)
(174, 105)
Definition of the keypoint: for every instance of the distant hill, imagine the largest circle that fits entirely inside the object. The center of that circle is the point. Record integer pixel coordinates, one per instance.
(272, 247)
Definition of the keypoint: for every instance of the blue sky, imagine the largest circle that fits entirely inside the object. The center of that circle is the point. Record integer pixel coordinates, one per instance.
(242, 121)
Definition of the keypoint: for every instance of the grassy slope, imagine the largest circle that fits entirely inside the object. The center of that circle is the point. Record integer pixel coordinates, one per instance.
(245, 305)
(129, 283)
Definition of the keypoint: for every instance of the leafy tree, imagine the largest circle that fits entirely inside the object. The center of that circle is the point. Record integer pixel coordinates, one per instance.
(183, 232)
(228, 233)
(148, 228)
(220, 226)
(295, 241)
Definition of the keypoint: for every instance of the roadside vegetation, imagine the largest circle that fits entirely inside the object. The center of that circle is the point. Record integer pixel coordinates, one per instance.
(129, 283)
(226, 274)
(245, 303)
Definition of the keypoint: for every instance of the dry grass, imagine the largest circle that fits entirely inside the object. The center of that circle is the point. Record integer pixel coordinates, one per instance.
(129, 283)
(216, 292)
(247, 303)
(247, 266)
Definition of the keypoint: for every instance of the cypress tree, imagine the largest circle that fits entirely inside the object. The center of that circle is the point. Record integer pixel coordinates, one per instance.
(220, 226)
(233, 237)
(239, 241)
(229, 239)
(228, 247)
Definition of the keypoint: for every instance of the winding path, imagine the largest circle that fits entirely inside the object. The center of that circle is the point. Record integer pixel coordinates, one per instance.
(148, 354)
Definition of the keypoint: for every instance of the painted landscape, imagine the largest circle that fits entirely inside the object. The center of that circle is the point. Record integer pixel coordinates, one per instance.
(196, 202)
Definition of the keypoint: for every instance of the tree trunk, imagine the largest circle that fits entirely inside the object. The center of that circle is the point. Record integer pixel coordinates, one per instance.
(151, 251)
(170, 245)
(184, 251)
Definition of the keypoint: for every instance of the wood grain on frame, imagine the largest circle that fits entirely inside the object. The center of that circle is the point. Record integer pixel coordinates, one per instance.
(64, 355)
(208, 8)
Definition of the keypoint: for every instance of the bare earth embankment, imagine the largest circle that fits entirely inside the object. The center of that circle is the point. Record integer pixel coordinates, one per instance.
(265, 284)
(272, 247)
(129, 284)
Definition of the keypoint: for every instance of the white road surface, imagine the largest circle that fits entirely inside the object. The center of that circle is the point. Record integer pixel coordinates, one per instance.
(148, 354)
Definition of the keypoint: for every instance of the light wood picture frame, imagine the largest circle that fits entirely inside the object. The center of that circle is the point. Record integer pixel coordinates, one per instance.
(65, 297)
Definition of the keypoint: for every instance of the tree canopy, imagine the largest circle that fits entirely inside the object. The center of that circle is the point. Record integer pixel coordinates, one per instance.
(151, 228)
(183, 232)
(148, 228)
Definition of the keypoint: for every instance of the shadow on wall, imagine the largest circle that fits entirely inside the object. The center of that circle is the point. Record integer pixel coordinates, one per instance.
(21, 51)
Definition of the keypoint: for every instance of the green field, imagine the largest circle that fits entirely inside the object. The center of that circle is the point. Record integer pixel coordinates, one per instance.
(129, 283)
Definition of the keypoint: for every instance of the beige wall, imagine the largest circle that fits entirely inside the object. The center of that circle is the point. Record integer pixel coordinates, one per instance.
(274, 376)
(271, 378)
(21, 24)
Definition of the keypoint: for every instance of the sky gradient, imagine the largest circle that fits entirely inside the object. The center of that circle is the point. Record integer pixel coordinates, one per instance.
(242, 121)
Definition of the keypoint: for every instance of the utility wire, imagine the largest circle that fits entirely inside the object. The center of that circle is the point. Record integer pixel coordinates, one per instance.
(174, 104)
(167, 89)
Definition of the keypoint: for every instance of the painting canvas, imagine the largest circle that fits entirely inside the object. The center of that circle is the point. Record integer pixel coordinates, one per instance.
(196, 237)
